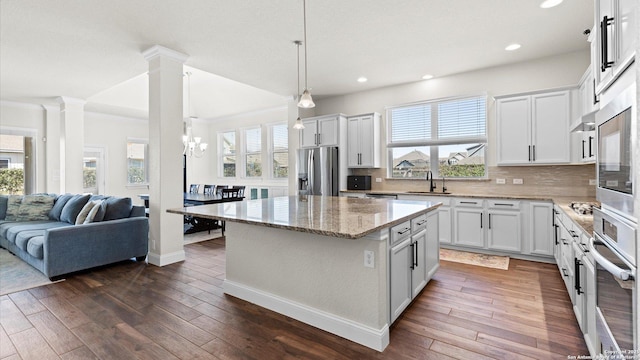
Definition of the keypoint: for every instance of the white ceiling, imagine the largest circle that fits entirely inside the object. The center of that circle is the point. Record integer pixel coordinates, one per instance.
(91, 49)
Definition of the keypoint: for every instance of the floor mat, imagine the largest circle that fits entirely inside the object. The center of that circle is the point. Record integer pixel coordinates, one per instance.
(16, 275)
(464, 257)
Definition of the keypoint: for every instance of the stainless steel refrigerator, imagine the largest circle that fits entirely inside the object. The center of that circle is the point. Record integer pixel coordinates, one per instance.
(318, 171)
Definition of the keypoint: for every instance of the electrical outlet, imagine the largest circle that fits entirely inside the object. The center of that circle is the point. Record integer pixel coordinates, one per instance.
(592, 181)
(378, 179)
(501, 181)
(517, 181)
(369, 259)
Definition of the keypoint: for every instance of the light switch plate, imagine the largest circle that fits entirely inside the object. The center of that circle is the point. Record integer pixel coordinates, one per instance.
(501, 181)
(378, 179)
(592, 181)
(517, 181)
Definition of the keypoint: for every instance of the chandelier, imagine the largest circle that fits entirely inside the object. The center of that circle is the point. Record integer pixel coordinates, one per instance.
(193, 145)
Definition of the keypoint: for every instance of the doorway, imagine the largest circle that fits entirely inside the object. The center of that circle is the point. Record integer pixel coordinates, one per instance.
(93, 170)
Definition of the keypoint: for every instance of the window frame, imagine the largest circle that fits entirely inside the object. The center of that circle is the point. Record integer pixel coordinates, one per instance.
(434, 142)
(222, 154)
(145, 166)
(246, 153)
(271, 150)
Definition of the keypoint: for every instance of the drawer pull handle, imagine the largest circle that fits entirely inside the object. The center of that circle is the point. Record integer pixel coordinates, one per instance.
(422, 222)
(503, 204)
(469, 202)
(404, 231)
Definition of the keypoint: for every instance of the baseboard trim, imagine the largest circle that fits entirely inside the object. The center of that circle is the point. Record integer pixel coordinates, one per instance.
(166, 259)
(376, 339)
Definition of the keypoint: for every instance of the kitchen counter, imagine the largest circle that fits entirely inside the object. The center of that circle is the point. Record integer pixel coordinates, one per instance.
(342, 217)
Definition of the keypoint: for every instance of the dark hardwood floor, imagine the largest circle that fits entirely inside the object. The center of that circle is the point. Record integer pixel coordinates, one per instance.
(137, 311)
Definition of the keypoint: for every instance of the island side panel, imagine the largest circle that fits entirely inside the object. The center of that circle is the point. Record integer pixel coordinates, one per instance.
(319, 272)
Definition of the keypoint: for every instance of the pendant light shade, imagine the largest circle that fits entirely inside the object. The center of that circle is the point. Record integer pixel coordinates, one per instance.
(298, 124)
(305, 101)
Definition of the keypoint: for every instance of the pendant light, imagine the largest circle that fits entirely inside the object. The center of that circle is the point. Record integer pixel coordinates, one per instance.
(298, 125)
(193, 145)
(305, 101)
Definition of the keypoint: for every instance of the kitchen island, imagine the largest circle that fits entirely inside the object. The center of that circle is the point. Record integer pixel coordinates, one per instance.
(339, 264)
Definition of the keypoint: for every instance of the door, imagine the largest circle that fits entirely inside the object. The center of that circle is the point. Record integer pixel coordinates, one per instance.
(579, 280)
(400, 261)
(469, 227)
(503, 230)
(513, 117)
(605, 40)
(93, 173)
(550, 128)
(432, 247)
(418, 273)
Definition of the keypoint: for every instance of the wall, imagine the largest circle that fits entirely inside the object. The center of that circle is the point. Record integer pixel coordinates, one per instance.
(28, 120)
(110, 133)
(546, 73)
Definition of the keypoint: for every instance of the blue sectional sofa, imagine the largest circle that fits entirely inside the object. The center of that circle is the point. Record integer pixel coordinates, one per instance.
(61, 234)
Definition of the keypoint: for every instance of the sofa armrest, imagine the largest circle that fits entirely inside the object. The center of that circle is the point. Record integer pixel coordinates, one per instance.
(80, 247)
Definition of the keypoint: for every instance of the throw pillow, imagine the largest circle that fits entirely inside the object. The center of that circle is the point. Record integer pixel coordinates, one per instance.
(117, 208)
(59, 204)
(73, 207)
(97, 205)
(13, 207)
(3, 206)
(35, 207)
(83, 215)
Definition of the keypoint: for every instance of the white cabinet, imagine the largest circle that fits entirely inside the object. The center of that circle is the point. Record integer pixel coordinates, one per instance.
(469, 223)
(363, 141)
(588, 147)
(616, 39)
(418, 273)
(504, 225)
(534, 129)
(541, 236)
(399, 262)
(432, 247)
(321, 131)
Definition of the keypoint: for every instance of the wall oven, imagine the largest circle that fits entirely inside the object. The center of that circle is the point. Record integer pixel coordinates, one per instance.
(616, 122)
(613, 248)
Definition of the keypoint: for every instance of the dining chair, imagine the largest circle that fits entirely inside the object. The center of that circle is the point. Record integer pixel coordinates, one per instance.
(219, 189)
(231, 193)
(241, 190)
(194, 188)
(209, 189)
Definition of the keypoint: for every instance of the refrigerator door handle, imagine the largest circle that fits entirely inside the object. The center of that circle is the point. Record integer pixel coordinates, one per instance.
(311, 183)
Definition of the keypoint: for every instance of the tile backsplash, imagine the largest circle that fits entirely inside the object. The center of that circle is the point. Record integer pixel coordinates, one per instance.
(557, 180)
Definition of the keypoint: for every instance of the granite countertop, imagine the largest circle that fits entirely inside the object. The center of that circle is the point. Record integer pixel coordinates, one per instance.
(584, 221)
(343, 217)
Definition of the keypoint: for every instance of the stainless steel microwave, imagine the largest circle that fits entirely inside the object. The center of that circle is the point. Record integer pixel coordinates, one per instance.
(616, 123)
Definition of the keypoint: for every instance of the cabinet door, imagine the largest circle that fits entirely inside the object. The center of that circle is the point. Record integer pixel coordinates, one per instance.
(400, 261)
(589, 319)
(514, 137)
(503, 230)
(578, 287)
(627, 32)
(557, 251)
(353, 142)
(444, 224)
(550, 128)
(541, 231)
(308, 136)
(469, 227)
(328, 132)
(418, 273)
(432, 248)
(588, 146)
(367, 148)
(604, 74)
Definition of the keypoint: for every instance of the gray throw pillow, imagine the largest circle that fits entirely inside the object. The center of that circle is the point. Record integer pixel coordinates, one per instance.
(72, 208)
(13, 207)
(3, 206)
(117, 208)
(35, 207)
(58, 205)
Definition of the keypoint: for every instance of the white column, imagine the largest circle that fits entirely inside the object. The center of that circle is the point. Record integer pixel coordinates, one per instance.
(165, 154)
(71, 144)
(52, 149)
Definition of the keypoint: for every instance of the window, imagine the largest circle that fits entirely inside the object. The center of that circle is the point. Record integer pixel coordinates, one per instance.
(280, 151)
(447, 137)
(137, 167)
(5, 163)
(228, 153)
(253, 152)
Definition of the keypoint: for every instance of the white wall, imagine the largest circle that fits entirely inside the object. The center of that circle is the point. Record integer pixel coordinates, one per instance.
(111, 133)
(27, 120)
(546, 73)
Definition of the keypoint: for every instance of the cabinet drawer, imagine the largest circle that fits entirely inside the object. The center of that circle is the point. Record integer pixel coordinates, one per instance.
(504, 204)
(418, 223)
(469, 203)
(399, 232)
(445, 200)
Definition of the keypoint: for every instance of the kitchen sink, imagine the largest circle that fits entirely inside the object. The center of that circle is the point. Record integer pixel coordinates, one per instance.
(428, 192)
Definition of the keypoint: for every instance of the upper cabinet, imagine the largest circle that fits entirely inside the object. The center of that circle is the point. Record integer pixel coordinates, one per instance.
(534, 129)
(363, 141)
(616, 39)
(321, 131)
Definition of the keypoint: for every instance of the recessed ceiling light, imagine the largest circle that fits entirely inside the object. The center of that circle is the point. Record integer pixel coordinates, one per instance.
(512, 47)
(362, 79)
(550, 3)
(427, 77)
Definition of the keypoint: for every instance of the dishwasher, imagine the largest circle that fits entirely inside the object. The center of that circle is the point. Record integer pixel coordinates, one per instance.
(382, 196)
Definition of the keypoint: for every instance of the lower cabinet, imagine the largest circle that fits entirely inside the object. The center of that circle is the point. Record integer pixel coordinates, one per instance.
(413, 259)
(469, 223)
(541, 230)
(504, 225)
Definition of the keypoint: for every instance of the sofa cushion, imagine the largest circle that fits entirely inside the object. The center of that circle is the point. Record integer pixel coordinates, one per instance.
(35, 207)
(58, 205)
(73, 207)
(88, 212)
(117, 208)
(23, 237)
(11, 230)
(34, 247)
(13, 207)
(3, 206)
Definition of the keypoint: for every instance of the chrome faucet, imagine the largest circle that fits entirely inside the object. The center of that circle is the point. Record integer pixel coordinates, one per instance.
(444, 188)
(429, 177)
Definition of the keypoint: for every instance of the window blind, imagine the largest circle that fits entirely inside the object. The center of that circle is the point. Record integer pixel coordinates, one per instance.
(280, 138)
(462, 118)
(253, 140)
(229, 142)
(411, 123)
